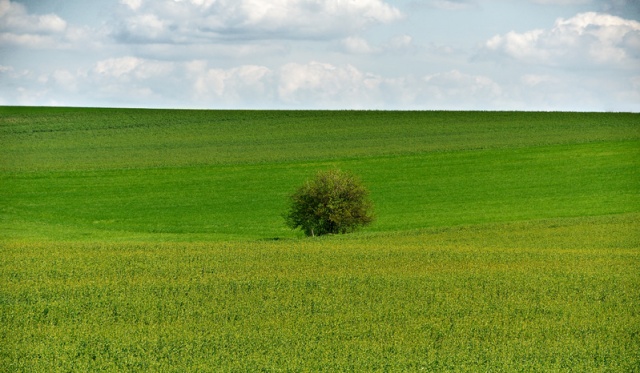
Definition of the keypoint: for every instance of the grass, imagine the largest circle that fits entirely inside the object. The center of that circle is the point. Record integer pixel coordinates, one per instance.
(152, 240)
(89, 139)
(552, 295)
(410, 192)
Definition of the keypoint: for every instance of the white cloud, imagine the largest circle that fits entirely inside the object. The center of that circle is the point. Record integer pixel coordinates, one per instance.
(194, 21)
(321, 54)
(117, 67)
(231, 86)
(19, 28)
(357, 45)
(447, 5)
(134, 81)
(399, 42)
(585, 39)
(131, 81)
(326, 85)
(453, 4)
(133, 4)
(25, 40)
(148, 25)
(15, 18)
(454, 89)
(562, 91)
(132, 68)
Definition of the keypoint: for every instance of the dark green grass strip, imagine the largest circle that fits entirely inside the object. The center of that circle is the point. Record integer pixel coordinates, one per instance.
(84, 139)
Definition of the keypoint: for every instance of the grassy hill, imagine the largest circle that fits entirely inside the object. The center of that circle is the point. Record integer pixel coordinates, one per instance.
(207, 175)
(152, 240)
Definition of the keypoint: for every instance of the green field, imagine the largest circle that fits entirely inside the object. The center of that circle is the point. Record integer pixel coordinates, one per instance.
(153, 240)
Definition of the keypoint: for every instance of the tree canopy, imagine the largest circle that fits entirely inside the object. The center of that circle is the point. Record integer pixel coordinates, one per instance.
(332, 202)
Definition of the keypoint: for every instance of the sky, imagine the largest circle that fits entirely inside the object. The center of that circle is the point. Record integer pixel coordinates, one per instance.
(547, 55)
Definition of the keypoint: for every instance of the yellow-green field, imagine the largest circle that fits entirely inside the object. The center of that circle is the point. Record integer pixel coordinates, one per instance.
(138, 240)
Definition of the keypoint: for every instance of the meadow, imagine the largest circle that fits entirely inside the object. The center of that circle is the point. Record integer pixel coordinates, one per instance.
(152, 240)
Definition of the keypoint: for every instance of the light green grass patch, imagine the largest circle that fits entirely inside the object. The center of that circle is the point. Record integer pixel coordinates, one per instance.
(247, 201)
(551, 295)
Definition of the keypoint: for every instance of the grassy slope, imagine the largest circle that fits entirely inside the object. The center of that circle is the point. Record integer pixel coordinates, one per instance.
(505, 242)
(65, 139)
(436, 189)
(185, 175)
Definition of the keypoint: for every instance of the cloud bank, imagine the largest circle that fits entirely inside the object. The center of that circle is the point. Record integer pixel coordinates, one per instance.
(189, 21)
(321, 54)
(588, 39)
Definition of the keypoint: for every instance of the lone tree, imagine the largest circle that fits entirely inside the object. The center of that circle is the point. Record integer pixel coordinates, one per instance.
(332, 202)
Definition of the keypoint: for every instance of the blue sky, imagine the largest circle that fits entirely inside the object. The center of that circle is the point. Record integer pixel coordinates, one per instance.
(571, 55)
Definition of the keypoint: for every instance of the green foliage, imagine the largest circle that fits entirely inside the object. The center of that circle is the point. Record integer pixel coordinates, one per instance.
(333, 202)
